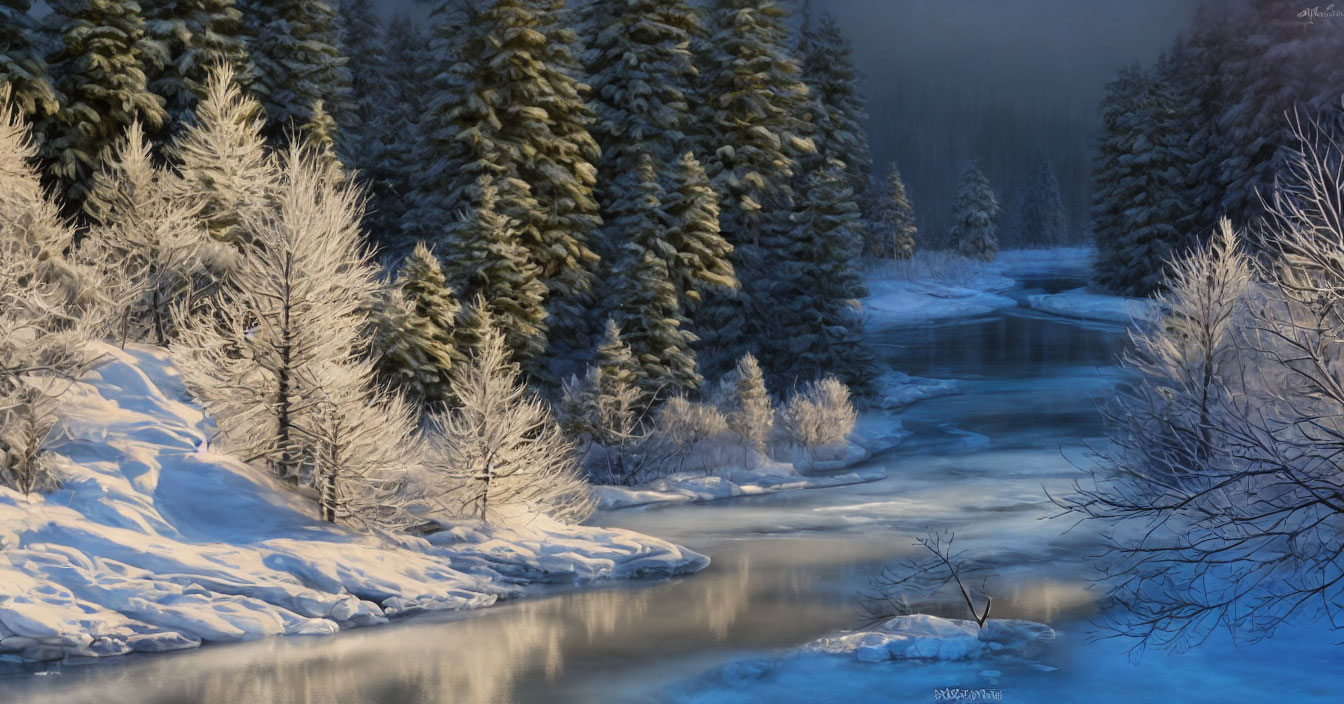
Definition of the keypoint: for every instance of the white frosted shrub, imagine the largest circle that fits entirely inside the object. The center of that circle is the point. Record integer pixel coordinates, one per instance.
(820, 414)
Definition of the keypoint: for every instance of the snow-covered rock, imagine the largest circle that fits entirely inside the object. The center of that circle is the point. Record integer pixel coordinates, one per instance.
(896, 388)
(1081, 303)
(924, 637)
(157, 542)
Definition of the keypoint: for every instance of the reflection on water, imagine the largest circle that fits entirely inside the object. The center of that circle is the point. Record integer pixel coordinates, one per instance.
(785, 568)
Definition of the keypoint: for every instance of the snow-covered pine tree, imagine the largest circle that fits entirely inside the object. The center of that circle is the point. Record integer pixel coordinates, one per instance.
(371, 90)
(1041, 219)
(416, 345)
(503, 443)
(829, 71)
(486, 259)
(290, 315)
(223, 160)
(190, 38)
(641, 70)
(298, 52)
(745, 402)
(505, 103)
(975, 212)
(702, 260)
(1278, 69)
(146, 238)
(751, 102)
(22, 64)
(892, 235)
(101, 65)
(819, 329)
(395, 153)
(1137, 184)
(647, 306)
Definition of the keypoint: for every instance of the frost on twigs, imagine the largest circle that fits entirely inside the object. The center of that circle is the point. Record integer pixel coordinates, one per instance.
(890, 593)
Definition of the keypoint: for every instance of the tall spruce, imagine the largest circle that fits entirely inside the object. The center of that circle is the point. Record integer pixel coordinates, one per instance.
(101, 64)
(975, 216)
(829, 71)
(1137, 184)
(892, 235)
(648, 307)
(507, 105)
(22, 64)
(701, 257)
(641, 72)
(751, 103)
(819, 329)
(371, 87)
(298, 52)
(395, 130)
(418, 347)
(191, 37)
(1040, 219)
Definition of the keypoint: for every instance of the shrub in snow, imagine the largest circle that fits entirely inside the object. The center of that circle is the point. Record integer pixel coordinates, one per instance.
(692, 432)
(146, 236)
(502, 443)
(742, 398)
(819, 415)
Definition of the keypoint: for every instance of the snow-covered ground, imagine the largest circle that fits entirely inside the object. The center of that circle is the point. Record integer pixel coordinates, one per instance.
(899, 302)
(1084, 304)
(158, 542)
(896, 388)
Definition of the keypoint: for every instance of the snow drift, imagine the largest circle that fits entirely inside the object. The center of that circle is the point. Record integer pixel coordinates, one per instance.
(157, 542)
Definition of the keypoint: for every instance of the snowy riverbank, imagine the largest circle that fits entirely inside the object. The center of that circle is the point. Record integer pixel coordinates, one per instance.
(156, 542)
(1086, 305)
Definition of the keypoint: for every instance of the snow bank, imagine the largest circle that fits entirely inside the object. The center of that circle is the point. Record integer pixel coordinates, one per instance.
(695, 487)
(898, 302)
(896, 388)
(156, 542)
(924, 637)
(1067, 261)
(1080, 303)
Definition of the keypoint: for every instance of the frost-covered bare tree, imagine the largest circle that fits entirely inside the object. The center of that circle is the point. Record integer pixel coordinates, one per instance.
(1224, 488)
(145, 236)
(50, 308)
(819, 415)
(503, 443)
(292, 309)
(891, 592)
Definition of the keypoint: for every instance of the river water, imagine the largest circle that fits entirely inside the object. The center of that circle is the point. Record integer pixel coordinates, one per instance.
(785, 569)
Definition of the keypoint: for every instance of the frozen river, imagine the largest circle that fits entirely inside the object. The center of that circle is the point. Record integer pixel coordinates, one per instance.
(785, 570)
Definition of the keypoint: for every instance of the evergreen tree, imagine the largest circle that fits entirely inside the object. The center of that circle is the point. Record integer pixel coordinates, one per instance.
(1041, 220)
(418, 347)
(22, 64)
(320, 133)
(750, 102)
(829, 71)
(487, 260)
(614, 361)
(298, 52)
(223, 160)
(101, 64)
(745, 402)
(648, 307)
(1137, 184)
(641, 71)
(371, 88)
(819, 330)
(975, 212)
(507, 105)
(394, 130)
(702, 257)
(893, 234)
(191, 37)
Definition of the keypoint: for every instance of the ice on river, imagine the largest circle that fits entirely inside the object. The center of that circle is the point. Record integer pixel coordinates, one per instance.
(1084, 304)
(925, 637)
(158, 542)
